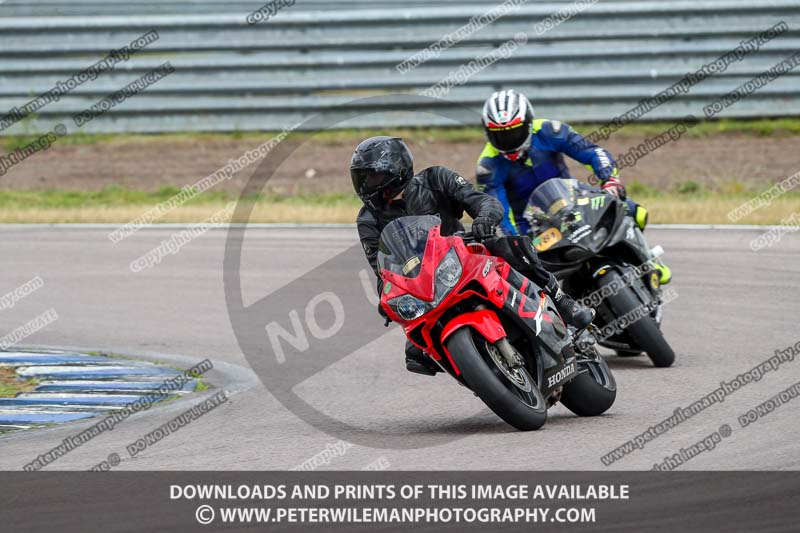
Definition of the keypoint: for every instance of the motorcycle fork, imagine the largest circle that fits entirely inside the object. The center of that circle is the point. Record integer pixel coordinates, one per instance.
(509, 353)
(507, 350)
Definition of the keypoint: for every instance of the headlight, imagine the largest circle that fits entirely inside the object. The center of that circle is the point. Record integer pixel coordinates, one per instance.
(408, 307)
(447, 275)
(449, 270)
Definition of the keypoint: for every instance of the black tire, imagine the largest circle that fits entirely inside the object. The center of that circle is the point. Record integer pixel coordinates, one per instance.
(492, 387)
(645, 332)
(628, 353)
(592, 392)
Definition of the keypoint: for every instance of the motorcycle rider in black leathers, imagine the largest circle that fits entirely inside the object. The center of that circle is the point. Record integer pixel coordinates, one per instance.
(382, 172)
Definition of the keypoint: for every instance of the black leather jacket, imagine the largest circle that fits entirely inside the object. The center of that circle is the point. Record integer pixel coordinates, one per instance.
(433, 191)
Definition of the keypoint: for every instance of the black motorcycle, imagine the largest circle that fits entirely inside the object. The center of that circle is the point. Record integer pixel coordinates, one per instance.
(584, 237)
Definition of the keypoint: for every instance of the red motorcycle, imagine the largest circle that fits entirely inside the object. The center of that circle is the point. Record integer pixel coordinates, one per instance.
(488, 326)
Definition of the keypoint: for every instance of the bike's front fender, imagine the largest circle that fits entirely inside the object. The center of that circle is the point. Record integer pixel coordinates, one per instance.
(484, 321)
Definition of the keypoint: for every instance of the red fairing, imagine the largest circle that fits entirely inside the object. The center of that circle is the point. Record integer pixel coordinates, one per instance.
(484, 321)
(477, 266)
(421, 286)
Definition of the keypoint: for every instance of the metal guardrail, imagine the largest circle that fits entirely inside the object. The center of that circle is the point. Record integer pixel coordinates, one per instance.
(319, 57)
(25, 8)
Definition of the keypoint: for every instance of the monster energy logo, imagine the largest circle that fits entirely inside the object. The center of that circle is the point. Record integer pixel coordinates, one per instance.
(598, 202)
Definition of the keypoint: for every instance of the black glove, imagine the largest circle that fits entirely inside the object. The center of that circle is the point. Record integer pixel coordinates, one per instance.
(483, 227)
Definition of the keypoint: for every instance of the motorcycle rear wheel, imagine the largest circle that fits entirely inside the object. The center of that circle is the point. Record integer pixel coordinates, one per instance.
(645, 332)
(594, 389)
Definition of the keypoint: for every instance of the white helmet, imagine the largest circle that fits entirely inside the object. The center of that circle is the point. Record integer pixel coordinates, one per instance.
(507, 121)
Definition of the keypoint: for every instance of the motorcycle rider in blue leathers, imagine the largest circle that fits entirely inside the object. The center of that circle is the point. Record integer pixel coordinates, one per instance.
(523, 152)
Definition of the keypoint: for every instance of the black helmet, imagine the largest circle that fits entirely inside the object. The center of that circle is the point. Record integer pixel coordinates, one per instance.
(507, 121)
(380, 168)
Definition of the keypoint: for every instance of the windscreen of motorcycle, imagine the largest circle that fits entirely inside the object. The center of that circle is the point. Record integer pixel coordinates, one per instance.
(402, 244)
(554, 195)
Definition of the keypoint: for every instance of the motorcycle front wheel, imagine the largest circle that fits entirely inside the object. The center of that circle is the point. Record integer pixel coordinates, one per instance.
(511, 393)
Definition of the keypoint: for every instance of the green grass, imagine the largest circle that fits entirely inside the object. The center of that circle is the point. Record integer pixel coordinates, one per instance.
(120, 197)
(690, 187)
(115, 196)
(109, 196)
(685, 202)
(11, 384)
(756, 127)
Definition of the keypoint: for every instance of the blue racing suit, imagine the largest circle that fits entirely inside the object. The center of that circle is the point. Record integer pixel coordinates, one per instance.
(512, 182)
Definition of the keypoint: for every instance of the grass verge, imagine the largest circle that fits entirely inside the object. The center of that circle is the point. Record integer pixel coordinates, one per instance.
(754, 127)
(11, 384)
(685, 205)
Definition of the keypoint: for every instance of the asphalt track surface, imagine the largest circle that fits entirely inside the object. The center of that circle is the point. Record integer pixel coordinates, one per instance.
(735, 307)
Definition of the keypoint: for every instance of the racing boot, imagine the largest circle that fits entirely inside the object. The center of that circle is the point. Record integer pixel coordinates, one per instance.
(573, 313)
(664, 272)
(418, 362)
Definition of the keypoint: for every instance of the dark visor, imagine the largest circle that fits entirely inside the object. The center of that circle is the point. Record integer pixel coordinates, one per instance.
(368, 182)
(508, 140)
